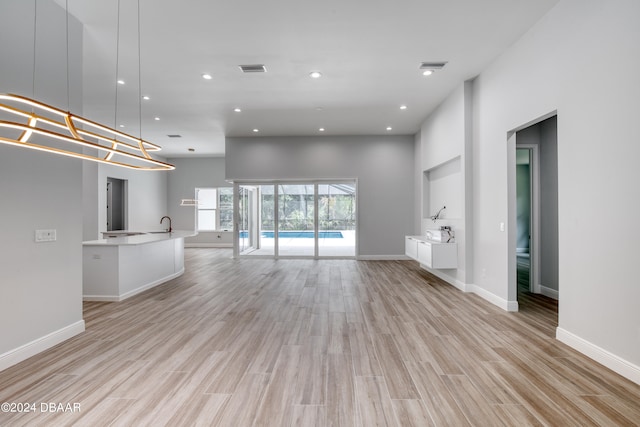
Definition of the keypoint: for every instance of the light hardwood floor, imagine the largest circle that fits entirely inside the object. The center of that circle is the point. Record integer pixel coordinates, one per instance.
(258, 342)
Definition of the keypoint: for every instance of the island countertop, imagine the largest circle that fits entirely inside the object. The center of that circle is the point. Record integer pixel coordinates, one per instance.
(141, 238)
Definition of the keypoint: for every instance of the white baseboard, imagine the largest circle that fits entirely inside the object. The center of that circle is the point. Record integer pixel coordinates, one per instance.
(117, 298)
(39, 345)
(600, 355)
(548, 292)
(494, 299)
(470, 287)
(101, 298)
(451, 280)
(382, 258)
(208, 245)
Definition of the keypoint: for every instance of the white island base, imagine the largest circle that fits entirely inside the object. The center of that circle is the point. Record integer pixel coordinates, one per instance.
(117, 268)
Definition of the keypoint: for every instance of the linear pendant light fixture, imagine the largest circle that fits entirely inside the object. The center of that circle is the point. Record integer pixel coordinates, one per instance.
(38, 126)
(51, 124)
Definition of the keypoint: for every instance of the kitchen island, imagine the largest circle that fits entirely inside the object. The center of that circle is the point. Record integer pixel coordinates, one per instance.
(117, 268)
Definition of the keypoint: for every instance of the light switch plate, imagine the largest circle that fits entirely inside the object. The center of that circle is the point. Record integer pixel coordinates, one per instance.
(45, 236)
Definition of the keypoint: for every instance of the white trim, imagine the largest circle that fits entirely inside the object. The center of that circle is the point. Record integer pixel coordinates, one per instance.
(548, 292)
(450, 280)
(208, 245)
(17, 355)
(600, 355)
(100, 298)
(382, 258)
(513, 306)
(494, 299)
(117, 298)
(471, 288)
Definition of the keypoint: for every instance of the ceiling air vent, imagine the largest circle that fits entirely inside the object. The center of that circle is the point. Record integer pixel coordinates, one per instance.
(175, 136)
(432, 65)
(253, 68)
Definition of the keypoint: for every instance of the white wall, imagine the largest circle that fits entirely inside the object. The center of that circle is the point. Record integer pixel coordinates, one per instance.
(553, 67)
(383, 166)
(192, 173)
(41, 283)
(146, 199)
(443, 176)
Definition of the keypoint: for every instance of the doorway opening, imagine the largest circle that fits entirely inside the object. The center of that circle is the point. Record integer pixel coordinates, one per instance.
(116, 204)
(527, 156)
(533, 215)
(296, 219)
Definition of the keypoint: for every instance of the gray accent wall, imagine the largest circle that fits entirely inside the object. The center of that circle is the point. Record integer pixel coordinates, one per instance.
(549, 265)
(382, 165)
(523, 206)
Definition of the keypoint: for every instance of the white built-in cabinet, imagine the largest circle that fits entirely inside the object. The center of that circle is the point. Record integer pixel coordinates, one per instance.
(431, 254)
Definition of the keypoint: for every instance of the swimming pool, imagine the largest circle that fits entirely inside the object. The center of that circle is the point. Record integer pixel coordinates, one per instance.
(298, 234)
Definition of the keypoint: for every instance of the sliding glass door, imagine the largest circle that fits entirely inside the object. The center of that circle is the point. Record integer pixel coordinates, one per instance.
(247, 219)
(337, 219)
(297, 219)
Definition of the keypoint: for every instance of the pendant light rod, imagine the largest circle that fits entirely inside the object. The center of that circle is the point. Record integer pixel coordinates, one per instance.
(35, 33)
(139, 78)
(66, 15)
(117, 79)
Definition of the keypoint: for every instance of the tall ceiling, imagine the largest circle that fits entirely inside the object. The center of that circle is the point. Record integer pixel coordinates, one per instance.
(368, 52)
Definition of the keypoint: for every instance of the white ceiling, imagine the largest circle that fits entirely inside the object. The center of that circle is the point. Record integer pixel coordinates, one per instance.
(368, 51)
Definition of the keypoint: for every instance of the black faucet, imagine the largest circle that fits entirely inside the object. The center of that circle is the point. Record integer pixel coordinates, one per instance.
(169, 218)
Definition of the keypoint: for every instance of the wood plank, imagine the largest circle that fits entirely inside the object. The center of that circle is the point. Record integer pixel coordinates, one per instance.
(340, 404)
(394, 371)
(374, 405)
(436, 397)
(412, 413)
(262, 342)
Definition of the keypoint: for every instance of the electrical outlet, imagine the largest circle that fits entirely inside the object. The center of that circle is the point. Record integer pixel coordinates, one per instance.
(45, 236)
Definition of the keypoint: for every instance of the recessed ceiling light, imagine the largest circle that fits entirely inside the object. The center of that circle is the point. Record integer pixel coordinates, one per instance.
(121, 126)
(237, 110)
(191, 149)
(146, 98)
(427, 72)
(207, 76)
(256, 130)
(156, 118)
(315, 74)
(389, 128)
(120, 82)
(321, 129)
(403, 107)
